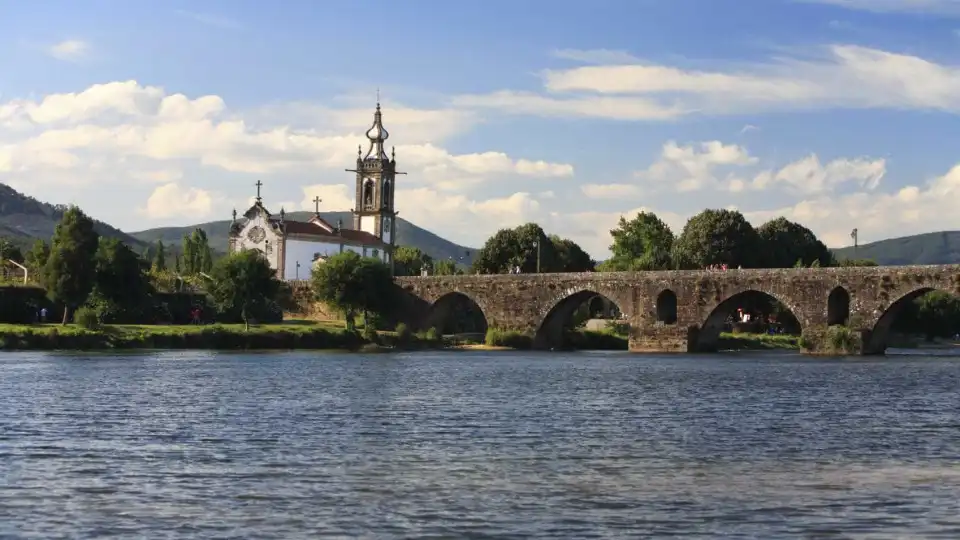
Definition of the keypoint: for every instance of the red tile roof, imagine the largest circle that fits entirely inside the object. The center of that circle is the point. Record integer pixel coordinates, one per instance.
(313, 229)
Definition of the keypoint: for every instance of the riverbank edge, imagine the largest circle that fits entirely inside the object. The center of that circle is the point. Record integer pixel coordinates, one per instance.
(305, 337)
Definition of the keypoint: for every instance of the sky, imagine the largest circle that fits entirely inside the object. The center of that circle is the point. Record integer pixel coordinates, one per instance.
(837, 114)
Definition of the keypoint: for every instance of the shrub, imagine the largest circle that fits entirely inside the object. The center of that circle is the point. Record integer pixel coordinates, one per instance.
(842, 339)
(508, 338)
(370, 333)
(432, 335)
(86, 318)
(404, 335)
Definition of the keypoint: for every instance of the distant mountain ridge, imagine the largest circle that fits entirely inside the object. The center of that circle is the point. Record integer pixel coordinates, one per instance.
(930, 248)
(23, 219)
(408, 234)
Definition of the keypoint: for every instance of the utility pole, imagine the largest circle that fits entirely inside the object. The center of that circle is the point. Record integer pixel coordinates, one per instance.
(536, 244)
(853, 234)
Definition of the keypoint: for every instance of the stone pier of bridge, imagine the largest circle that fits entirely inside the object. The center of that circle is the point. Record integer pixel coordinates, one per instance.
(682, 311)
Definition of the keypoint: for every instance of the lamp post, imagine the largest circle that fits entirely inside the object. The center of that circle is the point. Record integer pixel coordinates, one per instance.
(536, 244)
(298, 271)
(853, 234)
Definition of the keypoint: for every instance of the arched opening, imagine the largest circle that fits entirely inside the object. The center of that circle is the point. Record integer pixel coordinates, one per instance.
(744, 316)
(584, 320)
(922, 318)
(667, 307)
(838, 307)
(456, 314)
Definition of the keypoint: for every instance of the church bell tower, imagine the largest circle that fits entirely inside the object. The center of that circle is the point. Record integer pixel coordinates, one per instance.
(376, 174)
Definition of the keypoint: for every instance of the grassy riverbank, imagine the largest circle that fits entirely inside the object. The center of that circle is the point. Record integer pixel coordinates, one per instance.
(757, 342)
(288, 335)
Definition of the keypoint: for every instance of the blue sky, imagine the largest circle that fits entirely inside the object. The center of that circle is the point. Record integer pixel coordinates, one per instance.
(834, 113)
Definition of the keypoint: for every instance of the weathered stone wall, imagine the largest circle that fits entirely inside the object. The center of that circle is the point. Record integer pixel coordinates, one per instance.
(538, 304)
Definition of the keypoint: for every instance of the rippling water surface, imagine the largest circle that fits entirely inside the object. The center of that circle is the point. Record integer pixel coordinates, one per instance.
(195, 445)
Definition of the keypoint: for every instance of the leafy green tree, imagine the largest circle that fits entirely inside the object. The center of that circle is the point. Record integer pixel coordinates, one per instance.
(353, 284)
(410, 261)
(570, 256)
(70, 269)
(244, 283)
(176, 263)
(10, 251)
(717, 237)
(36, 258)
(189, 250)
(935, 314)
(643, 243)
(445, 267)
(121, 291)
(159, 257)
(509, 248)
(785, 244)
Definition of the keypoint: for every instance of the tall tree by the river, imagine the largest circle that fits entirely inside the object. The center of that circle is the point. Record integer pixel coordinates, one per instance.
(70, 268)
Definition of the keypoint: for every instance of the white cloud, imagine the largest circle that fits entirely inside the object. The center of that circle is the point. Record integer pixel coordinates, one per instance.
(210, 20)
(690, 168)
(838, 76)
(173, 200)
(191, 158)
(808, 175)
(69, 50)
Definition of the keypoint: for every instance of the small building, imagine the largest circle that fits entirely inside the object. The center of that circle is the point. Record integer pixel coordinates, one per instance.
(294, 247)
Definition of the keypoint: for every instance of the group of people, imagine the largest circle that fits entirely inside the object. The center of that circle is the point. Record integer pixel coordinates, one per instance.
(719, 267)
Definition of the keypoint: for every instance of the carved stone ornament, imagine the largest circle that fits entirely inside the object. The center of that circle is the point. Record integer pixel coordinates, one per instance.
(257, 234)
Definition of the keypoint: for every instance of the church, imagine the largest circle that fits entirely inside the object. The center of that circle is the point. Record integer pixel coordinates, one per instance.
(294, 247)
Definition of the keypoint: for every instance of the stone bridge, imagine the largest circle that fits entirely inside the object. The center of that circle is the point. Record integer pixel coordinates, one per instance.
(683, 311)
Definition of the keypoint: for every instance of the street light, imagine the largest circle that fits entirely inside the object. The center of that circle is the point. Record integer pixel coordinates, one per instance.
(536, 244)
(853, 234)
(298, 271)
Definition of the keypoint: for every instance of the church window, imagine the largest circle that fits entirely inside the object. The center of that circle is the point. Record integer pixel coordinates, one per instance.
(257, 234)
(376, 253)
(386, 193)
(368, 194)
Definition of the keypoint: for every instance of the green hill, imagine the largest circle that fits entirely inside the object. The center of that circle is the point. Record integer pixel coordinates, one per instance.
(931, 248)
(408, 234)
(23, 219)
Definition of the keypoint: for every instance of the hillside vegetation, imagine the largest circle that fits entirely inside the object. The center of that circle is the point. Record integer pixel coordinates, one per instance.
(931, 248)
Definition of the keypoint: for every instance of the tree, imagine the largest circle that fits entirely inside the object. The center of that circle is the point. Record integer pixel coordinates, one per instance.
(70, 269)
(643, 243)
(785, 244)
(570, 256)
(410, 261)
(36, 258)
(353, 284)
(243, 283)
(159, 258)
(717, 237)
(10, 251)
(189, 255)
(509, 248)
(121, 291)
(445, 267)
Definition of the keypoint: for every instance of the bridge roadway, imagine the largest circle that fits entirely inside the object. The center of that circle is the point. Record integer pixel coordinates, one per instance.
(683, 311)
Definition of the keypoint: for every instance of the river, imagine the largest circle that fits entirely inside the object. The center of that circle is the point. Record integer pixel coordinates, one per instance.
(478, 445)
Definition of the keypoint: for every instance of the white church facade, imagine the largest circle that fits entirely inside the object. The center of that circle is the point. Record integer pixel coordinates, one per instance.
(294, 247)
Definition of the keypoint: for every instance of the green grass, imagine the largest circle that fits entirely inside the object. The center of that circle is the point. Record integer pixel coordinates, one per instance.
(729, 341)
(287, 335)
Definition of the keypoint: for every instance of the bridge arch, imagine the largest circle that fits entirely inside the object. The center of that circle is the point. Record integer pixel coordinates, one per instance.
(457, 313)
(838, 306)
(667, 307)
(724, 315)
(557, 317)
(879, 336)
